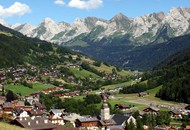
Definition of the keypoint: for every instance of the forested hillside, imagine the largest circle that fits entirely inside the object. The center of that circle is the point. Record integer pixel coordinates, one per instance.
(176, 78)
(16, 49)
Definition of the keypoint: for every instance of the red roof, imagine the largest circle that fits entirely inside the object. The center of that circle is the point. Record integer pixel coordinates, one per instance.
(57, 95)
(40, 106)
(188, 127)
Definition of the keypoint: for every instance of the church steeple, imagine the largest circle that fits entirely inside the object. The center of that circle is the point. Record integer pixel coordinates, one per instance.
(105, 110)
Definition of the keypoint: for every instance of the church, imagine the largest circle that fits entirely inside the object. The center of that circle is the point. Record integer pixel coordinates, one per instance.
(106, 121)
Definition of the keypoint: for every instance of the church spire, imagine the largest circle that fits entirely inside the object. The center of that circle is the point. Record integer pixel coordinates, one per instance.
(105, 110)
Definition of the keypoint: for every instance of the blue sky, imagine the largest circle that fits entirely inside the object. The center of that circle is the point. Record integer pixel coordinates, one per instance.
(34, 11)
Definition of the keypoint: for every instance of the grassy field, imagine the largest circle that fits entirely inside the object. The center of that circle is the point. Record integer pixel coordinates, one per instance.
(25, 90)
(6, 33)
(142, 102)
(83, 73)
(103, 68)
(128, 83)
(5, 126)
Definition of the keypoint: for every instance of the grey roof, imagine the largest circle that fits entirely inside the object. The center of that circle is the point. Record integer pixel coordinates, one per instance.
(18, 111)
(20, 103)
(115, 127)
(155, 108)
(55, 111)
(88, 119)
(41, 125)
(120, 119)
(7, 105)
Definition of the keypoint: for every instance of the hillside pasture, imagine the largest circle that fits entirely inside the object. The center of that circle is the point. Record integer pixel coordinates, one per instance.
(20, 89)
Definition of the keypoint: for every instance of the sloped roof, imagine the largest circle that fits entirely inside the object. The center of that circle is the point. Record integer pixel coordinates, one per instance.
(55, 111)
(36, 112)
(20, 103)
(7, 105)
(120, 119)
(88, 119)
(31, 123)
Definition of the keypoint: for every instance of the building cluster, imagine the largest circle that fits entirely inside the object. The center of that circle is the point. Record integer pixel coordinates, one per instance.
(35, 116)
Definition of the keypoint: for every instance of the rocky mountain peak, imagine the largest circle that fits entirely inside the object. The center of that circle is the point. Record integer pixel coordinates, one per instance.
(142, 29)
(15, 25)
(48, 21)
(119, 16)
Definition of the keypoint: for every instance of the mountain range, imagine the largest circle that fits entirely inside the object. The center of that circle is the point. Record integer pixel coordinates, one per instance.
(142, 29)
(122, 41)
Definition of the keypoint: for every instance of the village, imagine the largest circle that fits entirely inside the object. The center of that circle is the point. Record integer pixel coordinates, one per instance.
(28, 112)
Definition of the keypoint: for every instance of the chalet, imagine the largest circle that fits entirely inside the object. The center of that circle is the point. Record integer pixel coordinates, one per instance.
(120, 121)
(122, 107)
(7, 108)
(175, 114)
(71, 117)
(18, 104)
(152, 110)
(70, 94)
(37, 113)
(39, 106)
(55, 119)
(28, 108)
(31, 99)
(142, 94)
(49, 90)
(19, 113)
(88, 122)
(34, 123)
(57, 112)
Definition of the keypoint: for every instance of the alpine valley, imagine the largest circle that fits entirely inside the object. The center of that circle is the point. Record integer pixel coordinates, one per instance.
(136, 43)
(95, 74)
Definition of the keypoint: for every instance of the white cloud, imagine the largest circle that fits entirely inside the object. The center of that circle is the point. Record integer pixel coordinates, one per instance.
(83, 4)
(59, 2)
(17, 9)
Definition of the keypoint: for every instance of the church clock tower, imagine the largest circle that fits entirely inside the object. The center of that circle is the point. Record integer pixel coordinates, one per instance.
(105, 111)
